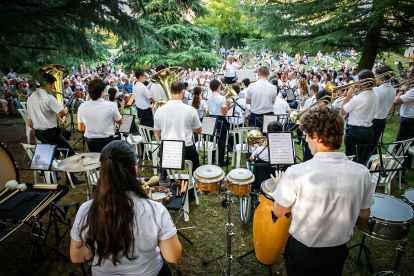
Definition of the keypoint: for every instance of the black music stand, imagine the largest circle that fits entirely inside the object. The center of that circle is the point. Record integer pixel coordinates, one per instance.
(71, 125)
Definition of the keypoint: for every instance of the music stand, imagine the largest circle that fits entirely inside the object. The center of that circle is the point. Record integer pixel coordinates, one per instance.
(42, 157)
(171, 157)
(267, 119)
(127, 121)
(208, 127)
(290, 95)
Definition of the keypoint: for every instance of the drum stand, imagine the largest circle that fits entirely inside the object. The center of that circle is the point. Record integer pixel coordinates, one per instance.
(401, 253)
(226, 267)
(363, 250)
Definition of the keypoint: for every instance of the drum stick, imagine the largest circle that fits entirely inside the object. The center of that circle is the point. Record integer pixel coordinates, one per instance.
(37, 207)
(45, 186)
(21, 187)
(184, 187)
(46, 203)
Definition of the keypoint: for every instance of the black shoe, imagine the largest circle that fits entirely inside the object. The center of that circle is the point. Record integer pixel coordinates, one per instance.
(75, 180)
(75, 148)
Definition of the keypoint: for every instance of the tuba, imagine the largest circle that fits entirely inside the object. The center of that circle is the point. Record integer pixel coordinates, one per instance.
(59, 72)
(166, 77)
(230, 94)
(254, 138)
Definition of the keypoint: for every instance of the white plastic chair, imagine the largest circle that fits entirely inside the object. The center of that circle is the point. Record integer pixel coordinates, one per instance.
(208, 146)
(135, 140)
(149, 145)
(24, 105)
(242, 147)
(394, 151)
(178, 175)
(29, 131)
(390, 163)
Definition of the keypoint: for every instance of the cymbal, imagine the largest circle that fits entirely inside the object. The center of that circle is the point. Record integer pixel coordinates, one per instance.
(80, 162)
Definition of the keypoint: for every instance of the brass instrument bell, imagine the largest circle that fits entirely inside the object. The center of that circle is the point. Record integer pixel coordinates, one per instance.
(254, 137)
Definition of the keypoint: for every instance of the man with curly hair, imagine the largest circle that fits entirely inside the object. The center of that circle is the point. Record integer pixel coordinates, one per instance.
(327, 194)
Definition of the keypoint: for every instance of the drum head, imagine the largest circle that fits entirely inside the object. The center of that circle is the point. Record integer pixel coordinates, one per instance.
(268, 187)
(9, 170)
(409, 194)
(390, 209)
(240, 174)
(209, 172)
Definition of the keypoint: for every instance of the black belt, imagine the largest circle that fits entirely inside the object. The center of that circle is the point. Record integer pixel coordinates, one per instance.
(144, 109)
(49, 129)
(99, 139)
(358, 126)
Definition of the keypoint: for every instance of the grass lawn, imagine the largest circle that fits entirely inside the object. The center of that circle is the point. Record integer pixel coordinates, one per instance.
(209, 237)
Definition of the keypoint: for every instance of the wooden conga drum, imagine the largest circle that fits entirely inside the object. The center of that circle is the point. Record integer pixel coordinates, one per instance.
(269, 235)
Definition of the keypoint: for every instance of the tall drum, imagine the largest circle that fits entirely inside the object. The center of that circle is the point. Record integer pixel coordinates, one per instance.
(408, 197)
(270, 235)
(389, 220)
(9, 169)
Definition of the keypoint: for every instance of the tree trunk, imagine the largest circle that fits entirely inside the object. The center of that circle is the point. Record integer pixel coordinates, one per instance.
(370, 50)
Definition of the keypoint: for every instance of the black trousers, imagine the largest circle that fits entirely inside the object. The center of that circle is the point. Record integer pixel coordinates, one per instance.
(221, 139)
(256, 120)
(406, 131)
(312, 261)
(378, 126)
(192, 155)
(54, 137)
(261, 173)
(361, 136)
(145, 117)
(97, 144)
(229, 80)
(165, 270)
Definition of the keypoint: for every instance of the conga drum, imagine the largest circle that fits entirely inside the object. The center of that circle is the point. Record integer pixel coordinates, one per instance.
(269, 235)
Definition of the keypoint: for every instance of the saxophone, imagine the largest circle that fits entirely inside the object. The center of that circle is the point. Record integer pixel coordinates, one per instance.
(59, 72)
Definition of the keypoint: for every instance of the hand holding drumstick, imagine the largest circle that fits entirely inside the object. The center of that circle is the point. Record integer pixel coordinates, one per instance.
(276, 179)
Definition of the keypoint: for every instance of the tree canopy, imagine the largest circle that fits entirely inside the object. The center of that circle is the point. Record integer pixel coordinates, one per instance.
(173, 39)
(37, 32)
(368, 25)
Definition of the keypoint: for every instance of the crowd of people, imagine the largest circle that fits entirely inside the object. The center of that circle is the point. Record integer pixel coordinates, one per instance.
(133, 238)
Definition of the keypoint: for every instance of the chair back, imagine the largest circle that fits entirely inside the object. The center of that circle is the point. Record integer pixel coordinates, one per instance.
(24, 105)
(284, 120)
(23, 113)
(241, 132)
(390, 163)
(146, 134)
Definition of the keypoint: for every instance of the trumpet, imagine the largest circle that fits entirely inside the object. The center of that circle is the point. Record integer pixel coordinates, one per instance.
(295, 115)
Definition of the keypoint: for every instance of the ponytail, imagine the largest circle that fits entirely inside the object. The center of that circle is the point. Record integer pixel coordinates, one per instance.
(196, 98)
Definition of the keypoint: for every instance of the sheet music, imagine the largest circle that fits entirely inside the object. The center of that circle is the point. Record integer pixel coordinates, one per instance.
(42, 157)
(127, 121)
(172, 155)
(208, 125)
(266, 120)
(280, 148)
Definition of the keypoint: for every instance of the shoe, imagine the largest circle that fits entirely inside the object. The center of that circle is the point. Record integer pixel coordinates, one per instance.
(75, 148)
(298, 142)
(75, 180)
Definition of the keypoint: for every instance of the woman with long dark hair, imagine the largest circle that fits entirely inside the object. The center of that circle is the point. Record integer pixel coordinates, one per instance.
(121, 230)
(198, 103)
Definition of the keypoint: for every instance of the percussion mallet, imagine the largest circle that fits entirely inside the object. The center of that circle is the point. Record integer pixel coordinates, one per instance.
(20, 188)
(37, 207)
(10, 186)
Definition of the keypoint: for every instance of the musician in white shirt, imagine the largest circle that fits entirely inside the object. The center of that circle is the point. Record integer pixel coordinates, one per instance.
(143, 100)
(386, 96)
(326, 199)
(156, 90)
(361, 109)
(229, 70)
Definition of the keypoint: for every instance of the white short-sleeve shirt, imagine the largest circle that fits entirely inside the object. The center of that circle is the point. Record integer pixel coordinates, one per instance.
(262, 94)
(175, 121)
(99, 118)
(407, 108)
(263, 153)
(309, 102)
(141, 95)
(326, 194)
(386, 96)
(362, 108)
(201, 108)
(215, 103)
(157, 92)
(280, 106)
(42, 109)
(154, 223)
(230, 70)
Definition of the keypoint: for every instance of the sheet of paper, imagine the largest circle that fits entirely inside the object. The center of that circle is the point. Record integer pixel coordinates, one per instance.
(172, 155)
(266, 120)
(280, 148)
(42, 157)
(208, 125)
(127, 121)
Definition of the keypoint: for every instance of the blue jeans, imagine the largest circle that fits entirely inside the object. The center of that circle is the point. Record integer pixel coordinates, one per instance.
(361, 136)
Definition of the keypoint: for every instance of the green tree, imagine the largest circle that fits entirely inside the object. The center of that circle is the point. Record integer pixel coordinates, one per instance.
(37, 32)
(368, 25)
(232, 20)
(174, 38)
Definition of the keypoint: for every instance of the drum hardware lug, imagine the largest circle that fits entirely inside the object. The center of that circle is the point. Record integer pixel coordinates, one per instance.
(274, 217)
(288, 215)
(371, 221)
(256, 204)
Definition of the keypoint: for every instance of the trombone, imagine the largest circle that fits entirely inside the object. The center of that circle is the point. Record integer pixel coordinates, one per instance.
(409, 83)
(386, 77)
(295, 115)
(359, 86)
